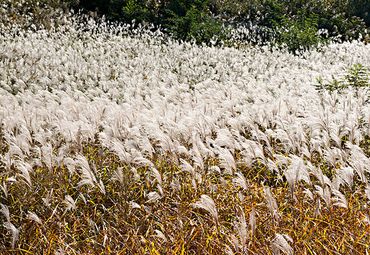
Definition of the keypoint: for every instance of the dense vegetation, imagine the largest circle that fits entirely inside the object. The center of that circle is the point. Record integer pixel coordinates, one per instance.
(117, 137)
(297, 25)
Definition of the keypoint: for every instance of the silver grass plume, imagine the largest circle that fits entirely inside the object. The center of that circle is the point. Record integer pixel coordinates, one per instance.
(25, 169)
(252, 221)
(346, 175)
(153, 197)
(159, 234)
(70, 164)
(197, 157)
(14, 231)
(69, 203)
(120, 151)
(271, 203)
(296, 171)
(4, 189)
(206, 203)
(225, 138)
(118, 175)
(367, 192)
(5, 211)
(359, 161)
(87, 175)
(339, 199)
(142, 162)
(227, 161)
(281, 243)
(241, 227)
(240, 181)
(324, 193)
(33, 216)
(186, 167)
(156, 174)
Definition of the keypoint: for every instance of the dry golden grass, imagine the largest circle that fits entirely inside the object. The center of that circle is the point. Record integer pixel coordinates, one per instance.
(108, 224)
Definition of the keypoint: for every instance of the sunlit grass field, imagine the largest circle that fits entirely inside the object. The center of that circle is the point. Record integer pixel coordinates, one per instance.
(118, 142)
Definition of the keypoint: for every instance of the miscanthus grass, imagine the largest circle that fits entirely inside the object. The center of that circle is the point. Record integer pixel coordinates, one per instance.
(129, 143)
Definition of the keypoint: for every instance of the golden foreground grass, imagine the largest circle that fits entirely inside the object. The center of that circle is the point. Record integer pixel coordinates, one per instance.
(57, 216)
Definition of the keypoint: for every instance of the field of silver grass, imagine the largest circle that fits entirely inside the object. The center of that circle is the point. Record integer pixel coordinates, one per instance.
(141, 145)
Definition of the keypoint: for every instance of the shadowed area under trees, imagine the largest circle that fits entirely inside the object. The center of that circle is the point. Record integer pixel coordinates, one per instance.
(298, 25)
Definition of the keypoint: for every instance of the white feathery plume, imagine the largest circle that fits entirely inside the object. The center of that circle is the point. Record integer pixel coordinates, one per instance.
(165, 142)
(271, 203)
(87, 174)
(47, 200)
(160, 190)
(101, 187)
(272, 167)
(145, 146)
(15, 150)
(339, 199)
(214, 169)
(317, 208)
(197, 158)
(359, 161)
(281, 243)
(134, 205)
(252, 221)
(33, 216)
(324, 193)
(186, 167)
(309, 194)
(5, 211)
(153, 197)
(333, 156)
(296, 171)
(160, 235)
(142, 162)
(255, 148)
(241, 227)
(69, 203)
(135, 173)
(120, 151)
(200, 147)
(317, 172)
(305, 151)
(156, 174)
(281, 160)
(25, 169)
(14, 231)
(285, 138)
(225, 139)
(70, 164)
(261, 136)
(240, 181)
(346, 174)
(206, 203)
(47, 155)
(227, 161)
(180, 149)
(4, 189)
(367, 191)
(118, 175)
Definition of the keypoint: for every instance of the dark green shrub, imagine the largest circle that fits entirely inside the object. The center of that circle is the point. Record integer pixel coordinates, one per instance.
(292, 22)
(192, 20)
(298, 35)
(357, 76)
(136, 10)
